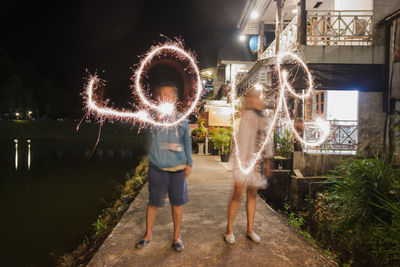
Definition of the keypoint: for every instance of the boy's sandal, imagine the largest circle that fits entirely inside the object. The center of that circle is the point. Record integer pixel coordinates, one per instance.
(142, 243)
(178, 246)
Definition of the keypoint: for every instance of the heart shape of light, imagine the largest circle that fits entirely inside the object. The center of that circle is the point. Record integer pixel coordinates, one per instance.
(284, 86)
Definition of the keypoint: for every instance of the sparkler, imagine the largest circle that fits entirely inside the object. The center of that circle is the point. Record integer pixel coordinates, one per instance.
(167, 108)
(284, 86)
(163, 108)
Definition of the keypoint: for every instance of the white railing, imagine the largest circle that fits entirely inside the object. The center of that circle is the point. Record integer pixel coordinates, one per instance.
(327, 28)
(339, 27)
(343, 138)
(287, 42)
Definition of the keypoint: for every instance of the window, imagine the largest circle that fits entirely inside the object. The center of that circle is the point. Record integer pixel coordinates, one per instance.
(342, 105)
(320, 103)
(317, 109)
(308, 109)
(340, 108)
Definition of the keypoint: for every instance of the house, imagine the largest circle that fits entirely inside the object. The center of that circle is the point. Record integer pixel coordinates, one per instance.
(207, 77)
(232, 61)
(345, 46)
(392, 24)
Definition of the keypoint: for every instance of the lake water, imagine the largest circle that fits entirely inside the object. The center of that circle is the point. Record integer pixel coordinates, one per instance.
(52, 191)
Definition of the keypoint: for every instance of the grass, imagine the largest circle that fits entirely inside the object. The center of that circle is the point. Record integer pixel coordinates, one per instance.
(297, 221)
(358, 217)
(102, 227)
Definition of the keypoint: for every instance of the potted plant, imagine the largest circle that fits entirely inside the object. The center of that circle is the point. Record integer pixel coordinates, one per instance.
(285, 149)
(222, 141)
(199, 136)
(212, 133)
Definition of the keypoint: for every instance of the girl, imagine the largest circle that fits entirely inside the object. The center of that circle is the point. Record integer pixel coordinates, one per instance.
(251, 136)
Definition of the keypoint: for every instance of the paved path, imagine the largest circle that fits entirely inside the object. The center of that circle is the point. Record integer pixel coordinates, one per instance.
(204, 222)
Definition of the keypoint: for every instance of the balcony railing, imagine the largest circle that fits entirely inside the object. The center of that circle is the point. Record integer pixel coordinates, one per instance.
(287, 42)
(327, 28)
(342, 140)
(352, 27)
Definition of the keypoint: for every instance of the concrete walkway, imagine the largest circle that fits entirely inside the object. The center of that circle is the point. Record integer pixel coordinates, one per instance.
(204, 222)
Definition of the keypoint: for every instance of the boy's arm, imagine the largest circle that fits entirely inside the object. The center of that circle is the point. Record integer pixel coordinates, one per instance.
(187, 142)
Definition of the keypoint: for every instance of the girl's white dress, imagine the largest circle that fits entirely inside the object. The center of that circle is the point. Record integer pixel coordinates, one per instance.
(253, 130)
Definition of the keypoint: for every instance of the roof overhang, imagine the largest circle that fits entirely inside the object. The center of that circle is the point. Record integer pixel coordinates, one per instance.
(267, 12)
(391, 17)
(227, 62)
(217, 104)
(342, 77)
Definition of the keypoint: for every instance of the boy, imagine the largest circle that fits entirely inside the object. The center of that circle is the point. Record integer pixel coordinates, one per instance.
(170, 163)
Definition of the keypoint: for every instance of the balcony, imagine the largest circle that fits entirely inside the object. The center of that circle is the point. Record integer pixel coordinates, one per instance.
(343, 139)
(345, 28)
(288, 40)
(327, 28)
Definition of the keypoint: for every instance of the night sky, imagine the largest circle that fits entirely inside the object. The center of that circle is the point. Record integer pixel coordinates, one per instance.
(64, 38)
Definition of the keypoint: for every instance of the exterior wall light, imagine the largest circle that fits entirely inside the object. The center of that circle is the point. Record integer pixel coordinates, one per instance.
(254, 14)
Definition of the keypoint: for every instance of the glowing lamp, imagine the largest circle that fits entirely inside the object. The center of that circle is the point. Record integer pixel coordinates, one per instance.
(253, 43)
(254, 14)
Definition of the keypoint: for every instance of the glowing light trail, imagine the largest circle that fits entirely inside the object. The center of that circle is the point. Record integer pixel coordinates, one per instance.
(284, 86)
(163, 108)
(29, 154)
(169, 110)
(16, 154)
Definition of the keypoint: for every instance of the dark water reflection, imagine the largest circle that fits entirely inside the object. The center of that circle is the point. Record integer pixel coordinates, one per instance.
(51, 192)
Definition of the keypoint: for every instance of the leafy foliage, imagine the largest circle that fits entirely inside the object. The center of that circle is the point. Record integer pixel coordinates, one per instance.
(285, 143)
(221, 138)
(99, 226)
(297, 222)
(396, 124)
(199, 135)
(360, 213)
(388, 232)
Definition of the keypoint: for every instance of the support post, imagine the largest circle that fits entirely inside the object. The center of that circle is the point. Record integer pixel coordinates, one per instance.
(279, 23)
(301, 23)
(260, 38)
(206, 148)
(298, 122)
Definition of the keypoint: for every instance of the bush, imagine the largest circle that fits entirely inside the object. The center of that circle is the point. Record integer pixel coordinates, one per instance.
(395, 124)
(284, 143)
(387, 233)
(221, 138)
(199, 135)
(361, 212)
